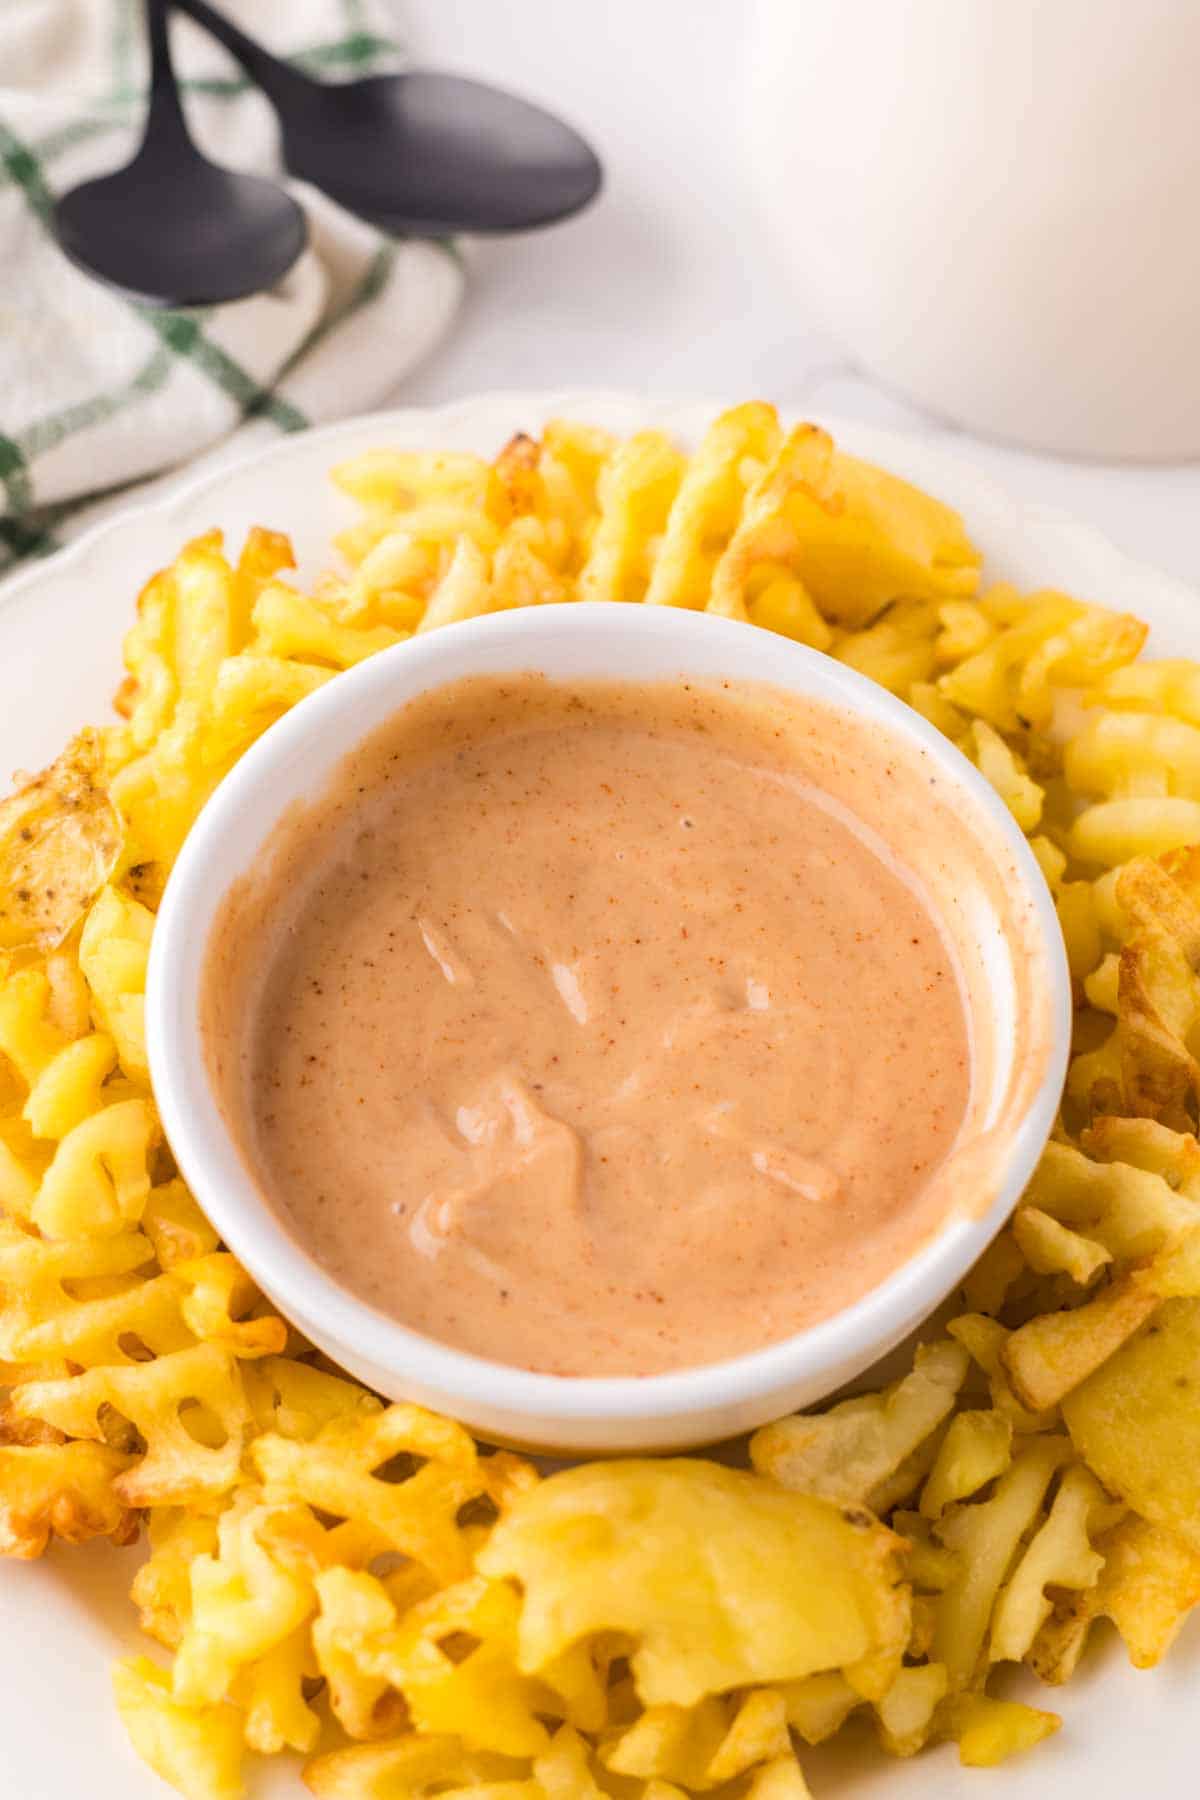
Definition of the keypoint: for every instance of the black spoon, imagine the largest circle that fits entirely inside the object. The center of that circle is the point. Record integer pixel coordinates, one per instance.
(172, 227)
(419, 153)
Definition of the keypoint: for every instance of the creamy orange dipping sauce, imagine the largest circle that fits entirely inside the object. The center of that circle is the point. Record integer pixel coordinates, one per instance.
(596, 1029)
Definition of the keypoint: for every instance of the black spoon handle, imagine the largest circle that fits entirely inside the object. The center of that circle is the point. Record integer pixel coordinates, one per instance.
(279, 80)
(165, 123)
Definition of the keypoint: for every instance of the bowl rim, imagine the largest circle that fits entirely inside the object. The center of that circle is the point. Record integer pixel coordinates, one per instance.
(296, 1282)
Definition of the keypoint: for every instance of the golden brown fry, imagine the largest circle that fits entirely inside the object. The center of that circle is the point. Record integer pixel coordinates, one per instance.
(845, 1453)
(1131, 1212)
(710, 502)
(976, 1449)
(1051, 1248)
(413, 1766)
(336, 1471)
(60, 837)
(162, 1588)
(198, 1750)
(187, 1407)
(1145, 1144)
(62, 1490)
(1149, 1583)
(907, 1712)
(984, 1536)
(1060, 1556)
(1052, 1354)
(989, 1731)
(984, 1339)
(766, 539)
(1136, 1421)
(635, 490)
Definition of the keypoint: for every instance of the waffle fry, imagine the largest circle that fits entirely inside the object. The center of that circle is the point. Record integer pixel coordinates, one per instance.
(1149, 1582)
(635, 493)
(65, 1490)
(1048, 1356)
(906, 1713)
(847, 1452)
(703, 1746)
(417, 1766)
(480, 1694)
(197, 1749)
(585, 1569)
(416, 1517)
(321, 1562)
(1060, 1555)
(244, 1605)
(975, 1450)
(988, 1731)
(709, 504)
(984, 1537)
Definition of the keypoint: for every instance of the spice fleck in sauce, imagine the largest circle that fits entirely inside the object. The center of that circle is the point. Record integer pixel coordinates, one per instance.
(589, 1029)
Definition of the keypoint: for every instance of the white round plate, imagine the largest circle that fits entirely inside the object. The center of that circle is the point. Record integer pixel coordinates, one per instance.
(63, 1620)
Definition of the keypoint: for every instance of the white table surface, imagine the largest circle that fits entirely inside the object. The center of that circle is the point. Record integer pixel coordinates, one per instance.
(668, 282)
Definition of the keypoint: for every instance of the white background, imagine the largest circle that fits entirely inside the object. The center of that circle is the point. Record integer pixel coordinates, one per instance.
(669, 282)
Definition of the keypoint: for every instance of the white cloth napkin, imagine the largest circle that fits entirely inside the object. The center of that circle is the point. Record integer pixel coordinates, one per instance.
(98, 392)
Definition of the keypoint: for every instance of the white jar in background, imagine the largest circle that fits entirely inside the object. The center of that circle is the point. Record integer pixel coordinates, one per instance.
(995, 205)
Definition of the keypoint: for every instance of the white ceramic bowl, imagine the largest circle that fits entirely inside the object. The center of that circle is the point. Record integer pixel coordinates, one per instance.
(1028, 1018)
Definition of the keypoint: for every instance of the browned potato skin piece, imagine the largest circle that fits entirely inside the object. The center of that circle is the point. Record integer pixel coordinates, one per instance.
(1136, 1420)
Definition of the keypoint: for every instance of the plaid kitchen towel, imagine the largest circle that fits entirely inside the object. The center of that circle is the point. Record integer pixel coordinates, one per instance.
(98, 392)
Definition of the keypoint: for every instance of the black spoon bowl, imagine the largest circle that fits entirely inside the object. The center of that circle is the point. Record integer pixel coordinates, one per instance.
(428, 155)
(420, 152)
(172, 227)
